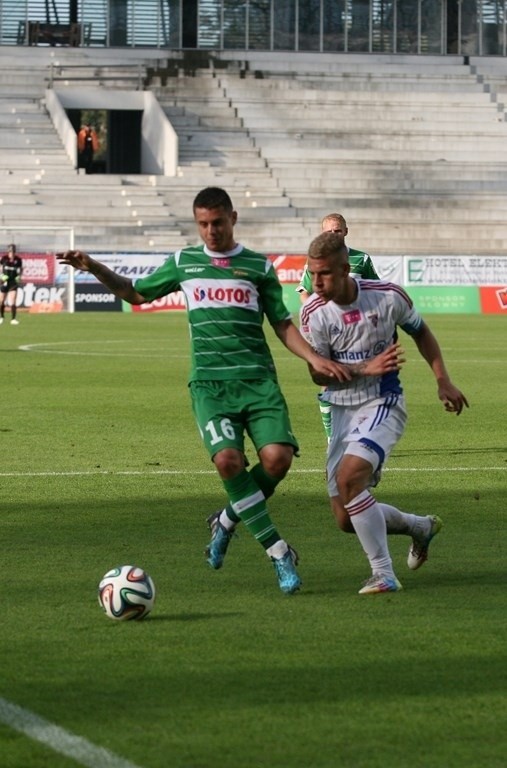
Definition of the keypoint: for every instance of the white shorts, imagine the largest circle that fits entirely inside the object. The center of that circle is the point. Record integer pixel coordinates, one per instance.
(370, 431)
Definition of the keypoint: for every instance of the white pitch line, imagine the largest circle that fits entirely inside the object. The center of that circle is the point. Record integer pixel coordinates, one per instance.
(58, 739)
(178, 353)
(135, 472)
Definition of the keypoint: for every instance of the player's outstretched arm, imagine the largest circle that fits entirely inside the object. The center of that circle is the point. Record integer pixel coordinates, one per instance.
(391, 359)
(453, 399)
(117, 284)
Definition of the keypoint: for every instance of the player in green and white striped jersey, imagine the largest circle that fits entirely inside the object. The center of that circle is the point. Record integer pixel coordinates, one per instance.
(233, 385)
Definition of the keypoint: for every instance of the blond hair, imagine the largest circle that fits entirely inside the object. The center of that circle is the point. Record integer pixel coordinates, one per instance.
(335, 217)
(328, 245)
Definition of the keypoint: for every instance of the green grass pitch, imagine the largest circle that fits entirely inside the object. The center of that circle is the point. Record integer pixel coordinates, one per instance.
(102, 464)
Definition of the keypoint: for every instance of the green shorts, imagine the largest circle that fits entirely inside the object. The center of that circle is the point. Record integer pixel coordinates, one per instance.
(226, 410)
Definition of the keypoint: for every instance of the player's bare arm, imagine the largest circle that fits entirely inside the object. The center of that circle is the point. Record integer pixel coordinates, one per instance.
(117, 284)
(291, 337)
(453, 399)
(391, 359)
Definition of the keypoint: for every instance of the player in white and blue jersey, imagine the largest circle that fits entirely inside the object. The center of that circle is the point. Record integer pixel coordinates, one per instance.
(361, 265)
(352, 321)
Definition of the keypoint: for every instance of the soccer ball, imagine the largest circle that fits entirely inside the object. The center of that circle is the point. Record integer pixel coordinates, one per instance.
(126, 592)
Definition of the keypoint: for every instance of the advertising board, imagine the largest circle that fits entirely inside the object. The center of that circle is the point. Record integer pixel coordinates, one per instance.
(465, 284)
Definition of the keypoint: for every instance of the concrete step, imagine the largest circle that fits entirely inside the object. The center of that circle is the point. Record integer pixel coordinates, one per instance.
(394, 186)
(219, 159)
(37, 214)
(358, 167)
(413, 97)
(265, 127)
(451, 213)
(324, 157)
(112, 199)
(415, 142)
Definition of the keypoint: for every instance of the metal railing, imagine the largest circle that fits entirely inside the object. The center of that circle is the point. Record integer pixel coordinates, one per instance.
(130, 76)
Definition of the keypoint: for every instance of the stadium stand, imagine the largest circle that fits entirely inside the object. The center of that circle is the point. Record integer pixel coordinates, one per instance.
(409, 148)
(41, 187)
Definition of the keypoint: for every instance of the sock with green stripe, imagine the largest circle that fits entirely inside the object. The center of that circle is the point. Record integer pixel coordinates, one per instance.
(267, 483)
(249, 505)
(325, 414)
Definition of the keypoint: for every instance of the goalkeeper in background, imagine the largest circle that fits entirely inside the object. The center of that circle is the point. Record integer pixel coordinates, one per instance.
(361, 265)
(11, 270)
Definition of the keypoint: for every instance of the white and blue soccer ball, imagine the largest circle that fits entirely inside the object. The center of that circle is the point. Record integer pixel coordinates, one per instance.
(126, 592)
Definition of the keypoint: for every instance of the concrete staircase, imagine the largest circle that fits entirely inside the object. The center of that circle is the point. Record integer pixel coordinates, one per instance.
(41, 191)
(215, 148)
(410, 149)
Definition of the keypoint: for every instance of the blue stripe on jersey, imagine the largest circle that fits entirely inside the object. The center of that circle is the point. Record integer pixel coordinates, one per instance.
(384, 408)
(390, 383)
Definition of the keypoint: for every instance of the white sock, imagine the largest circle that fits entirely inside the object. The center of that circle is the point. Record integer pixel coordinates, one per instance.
(277, 550)
(368, 520)
(226, 521)
(398, 522)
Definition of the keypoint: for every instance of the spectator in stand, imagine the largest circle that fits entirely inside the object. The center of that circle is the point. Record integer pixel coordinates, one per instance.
(87, 144)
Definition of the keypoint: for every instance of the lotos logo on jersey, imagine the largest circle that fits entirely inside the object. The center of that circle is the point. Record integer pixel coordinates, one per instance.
(223, 295)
